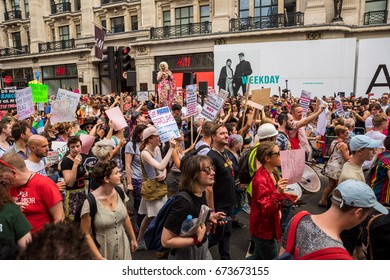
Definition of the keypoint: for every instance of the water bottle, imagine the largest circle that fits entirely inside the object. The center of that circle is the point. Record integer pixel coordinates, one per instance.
(186, 225)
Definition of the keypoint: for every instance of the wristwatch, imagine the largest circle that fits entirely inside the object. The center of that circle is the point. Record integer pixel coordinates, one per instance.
(197, 243)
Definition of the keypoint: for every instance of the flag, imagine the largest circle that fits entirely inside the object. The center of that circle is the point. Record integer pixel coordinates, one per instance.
(99, 42)
(39, 126)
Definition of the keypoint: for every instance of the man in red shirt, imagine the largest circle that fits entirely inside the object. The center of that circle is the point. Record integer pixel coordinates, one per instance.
(38, 196)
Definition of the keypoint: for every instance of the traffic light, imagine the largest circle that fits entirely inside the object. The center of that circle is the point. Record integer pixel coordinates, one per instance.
(125, 58)
(109, 58)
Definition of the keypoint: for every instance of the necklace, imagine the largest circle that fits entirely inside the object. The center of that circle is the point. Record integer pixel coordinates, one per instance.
(108, 200)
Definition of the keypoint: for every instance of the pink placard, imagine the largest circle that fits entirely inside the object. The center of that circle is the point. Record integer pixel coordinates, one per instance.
(87, 141)
(293, 165)
(115, 114)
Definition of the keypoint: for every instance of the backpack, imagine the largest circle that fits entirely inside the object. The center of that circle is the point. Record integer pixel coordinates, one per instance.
(190, 153)
(243, 168)
(292, 252)
(153, 233)
(376, 237)
(92, 212)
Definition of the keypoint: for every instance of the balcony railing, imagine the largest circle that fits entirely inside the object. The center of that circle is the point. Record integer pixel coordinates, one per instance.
(265, 22)
(61, 8)
(107, 2)
(14, 51)
(375, 17)
(14, 14)
(57, 46)
(181, 30)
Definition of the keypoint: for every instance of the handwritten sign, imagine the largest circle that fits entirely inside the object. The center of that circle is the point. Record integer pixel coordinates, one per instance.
(212, 107)
(53, 157)
(115, 114)
(60, 147)
(142, 95)
(71, 97)
(165, 123)
(191, 100)
(7, 99)
(60, 112)
(305, 100)
(293, 165)
(24, 103)
(87, 143)
(40, 92)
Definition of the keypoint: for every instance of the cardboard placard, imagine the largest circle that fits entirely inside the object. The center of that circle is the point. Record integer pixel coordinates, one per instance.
(7, 99)
(293, 165)
(40, 92)
(24, 103)
(87, 143)
(261, 96)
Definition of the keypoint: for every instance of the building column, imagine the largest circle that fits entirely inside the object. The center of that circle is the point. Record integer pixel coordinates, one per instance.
(281, 7)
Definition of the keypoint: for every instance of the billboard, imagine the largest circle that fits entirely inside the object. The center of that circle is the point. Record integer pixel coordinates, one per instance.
(373, 67)
(322, 67)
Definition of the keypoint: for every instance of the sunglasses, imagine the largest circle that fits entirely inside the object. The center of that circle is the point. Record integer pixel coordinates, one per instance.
(89, 126)
(208, 170)
(275, 154)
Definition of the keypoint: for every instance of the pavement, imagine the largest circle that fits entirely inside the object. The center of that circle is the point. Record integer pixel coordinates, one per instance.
(240, 239)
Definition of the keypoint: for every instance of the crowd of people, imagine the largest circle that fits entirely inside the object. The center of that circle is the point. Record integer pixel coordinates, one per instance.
(35, 195)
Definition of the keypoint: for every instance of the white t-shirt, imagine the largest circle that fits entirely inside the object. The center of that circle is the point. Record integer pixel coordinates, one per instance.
(368, 122)
(376, 135)
(36, 167)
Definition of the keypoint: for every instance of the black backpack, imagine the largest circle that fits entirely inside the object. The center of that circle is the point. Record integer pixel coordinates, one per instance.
(376, 236)
(93, 210)
(243, 168)
(190, 153)
(153, 232)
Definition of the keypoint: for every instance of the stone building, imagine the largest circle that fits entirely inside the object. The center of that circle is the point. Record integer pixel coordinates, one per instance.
(53, 40)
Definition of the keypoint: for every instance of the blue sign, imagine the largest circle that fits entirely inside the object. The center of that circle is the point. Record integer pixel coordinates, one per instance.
(37, 74)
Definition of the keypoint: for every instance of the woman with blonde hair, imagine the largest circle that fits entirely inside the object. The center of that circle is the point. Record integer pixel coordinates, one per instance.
(166, 85)
(64, 130)
(338, 155)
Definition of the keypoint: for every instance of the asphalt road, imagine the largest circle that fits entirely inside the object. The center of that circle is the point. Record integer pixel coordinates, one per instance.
(240, 239)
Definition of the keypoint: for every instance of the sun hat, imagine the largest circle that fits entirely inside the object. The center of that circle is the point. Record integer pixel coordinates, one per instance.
(358, 194)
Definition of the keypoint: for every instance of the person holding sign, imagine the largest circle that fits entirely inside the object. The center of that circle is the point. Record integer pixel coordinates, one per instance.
(166, 85)
(74, 175)
(153, 169)
(268, 197)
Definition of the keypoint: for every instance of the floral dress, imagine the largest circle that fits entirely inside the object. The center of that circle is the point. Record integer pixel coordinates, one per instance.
(335, 162)
(166, 91)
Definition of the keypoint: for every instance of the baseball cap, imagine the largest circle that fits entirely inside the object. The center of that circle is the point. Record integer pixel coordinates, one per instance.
(134, 116)
(149, 131)
(359, 142)
(358, 194)
(278, 104)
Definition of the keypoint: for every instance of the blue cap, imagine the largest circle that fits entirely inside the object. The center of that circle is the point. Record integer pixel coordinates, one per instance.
(359, 142)
(358, 194)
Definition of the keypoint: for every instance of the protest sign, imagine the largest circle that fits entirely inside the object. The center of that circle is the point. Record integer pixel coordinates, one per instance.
(293, 165)
(305, 100)
(87, 143)
(322, 121)
(41, 107)
(339, 107)
(60, 112)
(142, 95)
(115, 114)
(60, 147)
(212, 107)
(191, 100)
(261, 96)
(72, 97)
(223, 94)
(53, 157)
(165, 123)
(40, 92)
(24, 103)
(7, 99)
